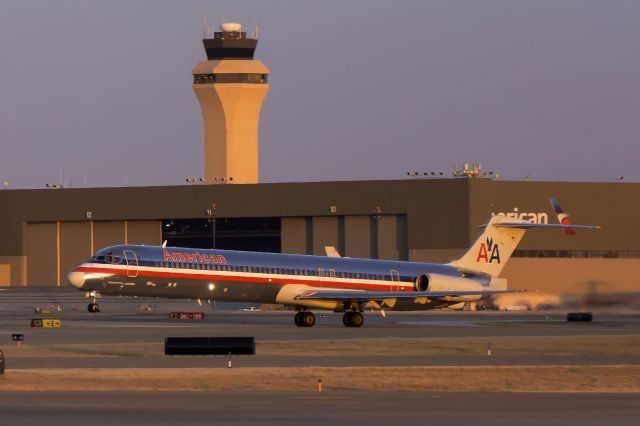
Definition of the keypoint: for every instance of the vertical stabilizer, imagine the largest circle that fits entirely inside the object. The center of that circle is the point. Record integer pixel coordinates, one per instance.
(492, 249)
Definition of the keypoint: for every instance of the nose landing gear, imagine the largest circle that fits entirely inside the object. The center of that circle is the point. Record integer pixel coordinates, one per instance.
(93, 307)
(353, 319)
(305, 319)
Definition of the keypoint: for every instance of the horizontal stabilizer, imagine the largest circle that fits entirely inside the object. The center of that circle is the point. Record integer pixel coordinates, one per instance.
(542, 225)
(493, 248)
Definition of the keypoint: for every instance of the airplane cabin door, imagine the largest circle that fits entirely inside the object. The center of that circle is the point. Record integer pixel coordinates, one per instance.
(132, 263)
(395, 280)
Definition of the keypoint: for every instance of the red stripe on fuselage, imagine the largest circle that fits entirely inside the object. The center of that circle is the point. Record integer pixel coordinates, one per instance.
(257, 280)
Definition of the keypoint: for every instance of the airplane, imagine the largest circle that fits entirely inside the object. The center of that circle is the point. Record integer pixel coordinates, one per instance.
(306, 282)
(563, 217)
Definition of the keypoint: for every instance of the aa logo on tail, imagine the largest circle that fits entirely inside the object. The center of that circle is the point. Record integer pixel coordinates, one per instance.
(488, 252)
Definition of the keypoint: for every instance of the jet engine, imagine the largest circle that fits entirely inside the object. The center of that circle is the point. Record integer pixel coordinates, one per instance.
(437, 282)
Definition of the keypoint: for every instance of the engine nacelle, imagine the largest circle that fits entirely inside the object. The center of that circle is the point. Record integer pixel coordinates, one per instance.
(437, 282)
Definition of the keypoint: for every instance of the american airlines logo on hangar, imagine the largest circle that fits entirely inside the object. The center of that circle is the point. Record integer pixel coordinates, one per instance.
(531, 217)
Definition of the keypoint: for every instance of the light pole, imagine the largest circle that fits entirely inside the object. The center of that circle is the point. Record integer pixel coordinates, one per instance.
(376, 215)
(211, 213)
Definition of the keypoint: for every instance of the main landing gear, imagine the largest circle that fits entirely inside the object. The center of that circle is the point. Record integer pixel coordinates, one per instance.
(353, 319)
(305, 319)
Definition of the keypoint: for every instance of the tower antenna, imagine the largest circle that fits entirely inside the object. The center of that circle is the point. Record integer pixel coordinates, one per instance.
(255, 27)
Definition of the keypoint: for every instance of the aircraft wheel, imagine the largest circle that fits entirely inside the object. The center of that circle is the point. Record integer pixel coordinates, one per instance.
(353, 319)
(346, 319)
(357, 319)
(308, 319)
(93, 308)
(298, 319)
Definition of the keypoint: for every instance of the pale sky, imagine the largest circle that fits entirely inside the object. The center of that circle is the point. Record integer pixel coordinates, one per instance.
(359, 89)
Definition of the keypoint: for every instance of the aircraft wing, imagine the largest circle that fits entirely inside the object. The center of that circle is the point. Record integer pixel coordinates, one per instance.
(367, 296)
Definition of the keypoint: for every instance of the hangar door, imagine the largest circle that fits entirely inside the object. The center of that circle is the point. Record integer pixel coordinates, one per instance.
(41, 250)
(52, 249)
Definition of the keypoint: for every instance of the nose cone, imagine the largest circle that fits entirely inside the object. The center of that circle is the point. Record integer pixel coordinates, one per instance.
(76, 279)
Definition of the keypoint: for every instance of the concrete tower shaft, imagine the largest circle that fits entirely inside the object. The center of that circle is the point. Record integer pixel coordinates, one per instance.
(230, 86)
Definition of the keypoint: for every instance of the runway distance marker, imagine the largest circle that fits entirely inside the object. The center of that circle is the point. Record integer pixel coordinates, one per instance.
(46, 323)
(580, 316)
(210, 346)
(187, 315)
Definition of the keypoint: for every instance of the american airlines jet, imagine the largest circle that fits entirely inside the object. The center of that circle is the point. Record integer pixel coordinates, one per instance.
(306, 282)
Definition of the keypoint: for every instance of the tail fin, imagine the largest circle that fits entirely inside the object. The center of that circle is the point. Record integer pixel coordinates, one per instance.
(563, 217)
(492, 250)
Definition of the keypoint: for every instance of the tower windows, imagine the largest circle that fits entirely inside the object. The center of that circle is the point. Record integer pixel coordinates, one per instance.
(230, 78)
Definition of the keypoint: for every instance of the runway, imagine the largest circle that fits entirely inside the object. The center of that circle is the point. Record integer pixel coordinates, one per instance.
(488, 328)
(281, 345)
(357, 408)
(154, 326)
(325, 361)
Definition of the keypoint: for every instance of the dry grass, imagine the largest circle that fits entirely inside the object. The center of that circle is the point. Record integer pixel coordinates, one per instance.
(442, 379)
(510, 345)
(86, 350)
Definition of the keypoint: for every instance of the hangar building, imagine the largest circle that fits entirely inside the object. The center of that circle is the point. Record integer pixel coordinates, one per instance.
(44, 233)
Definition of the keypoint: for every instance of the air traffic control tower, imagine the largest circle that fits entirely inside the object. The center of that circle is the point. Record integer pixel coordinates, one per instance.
(230, 86)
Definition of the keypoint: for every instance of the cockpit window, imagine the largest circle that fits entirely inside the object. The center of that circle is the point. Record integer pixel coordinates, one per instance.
(111, 258)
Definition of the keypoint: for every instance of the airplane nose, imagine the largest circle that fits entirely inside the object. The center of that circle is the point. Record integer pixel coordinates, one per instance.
(76, 279)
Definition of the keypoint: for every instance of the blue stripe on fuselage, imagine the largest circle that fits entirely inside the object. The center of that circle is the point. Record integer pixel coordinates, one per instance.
(153, 256)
